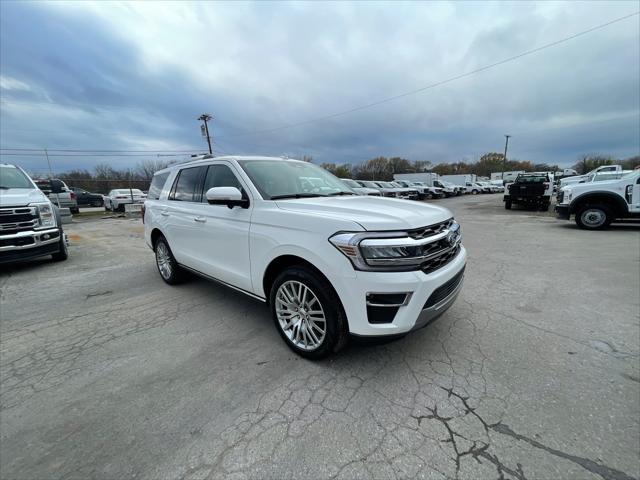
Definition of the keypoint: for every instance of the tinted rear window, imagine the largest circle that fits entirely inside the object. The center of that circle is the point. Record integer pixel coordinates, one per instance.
(156, 185)
(187, 186)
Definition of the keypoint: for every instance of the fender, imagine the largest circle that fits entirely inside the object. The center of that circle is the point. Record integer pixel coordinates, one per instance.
(599, 197)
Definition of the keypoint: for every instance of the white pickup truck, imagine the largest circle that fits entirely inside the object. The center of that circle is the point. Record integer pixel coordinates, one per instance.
(596, 204)
(329, 263)
(30, 225)
(580, 178)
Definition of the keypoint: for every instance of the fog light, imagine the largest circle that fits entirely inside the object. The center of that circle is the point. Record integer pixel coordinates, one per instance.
(45, 236)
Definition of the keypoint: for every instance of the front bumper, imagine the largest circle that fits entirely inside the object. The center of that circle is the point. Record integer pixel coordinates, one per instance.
(29, 244)
(562, 212)
(417, 312)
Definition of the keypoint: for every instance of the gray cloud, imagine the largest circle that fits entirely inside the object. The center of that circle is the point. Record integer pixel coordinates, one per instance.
(135, 76)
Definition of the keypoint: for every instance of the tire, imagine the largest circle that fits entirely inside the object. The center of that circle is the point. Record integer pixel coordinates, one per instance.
(507, 204)
(594, 217)
(121, 208)
(166, 263)
(63, 252)
(474, 192)
(75, 210)
(544, 207)
(107, 208)
(297, 291)
(96, 203)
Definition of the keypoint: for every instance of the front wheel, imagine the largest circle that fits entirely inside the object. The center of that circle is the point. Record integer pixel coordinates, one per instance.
(507, 204)
(594, 217)
(63, 252)
(307, 313)
(167, 265)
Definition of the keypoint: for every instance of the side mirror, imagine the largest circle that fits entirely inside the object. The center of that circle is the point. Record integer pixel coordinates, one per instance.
(229, 196)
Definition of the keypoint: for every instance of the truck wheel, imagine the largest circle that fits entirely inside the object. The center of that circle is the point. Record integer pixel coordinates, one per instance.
(507, 204)
(594, 217)
(75, 210)
(96, 203)
(167, 265)
(63, 252)
(307, 313)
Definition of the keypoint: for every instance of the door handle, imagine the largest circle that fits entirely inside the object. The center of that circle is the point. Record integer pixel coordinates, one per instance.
(164, 214)
(200, 219)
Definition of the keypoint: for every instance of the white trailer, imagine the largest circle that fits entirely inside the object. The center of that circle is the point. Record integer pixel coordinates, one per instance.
(506, 176)
(460, 179)
(425, 177)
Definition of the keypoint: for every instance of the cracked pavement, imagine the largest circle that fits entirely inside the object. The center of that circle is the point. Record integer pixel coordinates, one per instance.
(534, 373)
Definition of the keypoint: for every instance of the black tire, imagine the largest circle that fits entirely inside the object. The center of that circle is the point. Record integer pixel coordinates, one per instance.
(544, 207)
(74, 210)
(121, 208)
(63, 252)
(173, 274)
(507, 204)
(336, 332)
(594, 217)
(96, 203)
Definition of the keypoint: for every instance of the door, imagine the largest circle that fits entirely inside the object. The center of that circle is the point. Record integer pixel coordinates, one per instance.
(179, 212)
(223, 246)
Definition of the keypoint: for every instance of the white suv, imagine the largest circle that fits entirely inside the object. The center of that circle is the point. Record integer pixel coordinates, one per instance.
(329, 263)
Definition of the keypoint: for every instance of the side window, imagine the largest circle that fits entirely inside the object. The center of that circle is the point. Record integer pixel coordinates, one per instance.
(156, 186)
(220, 176)
(187, 186)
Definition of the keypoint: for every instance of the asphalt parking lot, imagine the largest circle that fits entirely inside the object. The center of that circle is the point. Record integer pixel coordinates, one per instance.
(106, 372)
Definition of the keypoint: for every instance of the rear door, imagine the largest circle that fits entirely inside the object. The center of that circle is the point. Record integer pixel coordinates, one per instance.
(222, 242)
(180, 228)
(633, 195)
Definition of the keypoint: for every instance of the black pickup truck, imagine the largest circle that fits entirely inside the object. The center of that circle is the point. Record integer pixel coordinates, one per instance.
(530, 189)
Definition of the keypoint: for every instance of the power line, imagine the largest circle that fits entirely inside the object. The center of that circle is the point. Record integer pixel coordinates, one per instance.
(439, 83)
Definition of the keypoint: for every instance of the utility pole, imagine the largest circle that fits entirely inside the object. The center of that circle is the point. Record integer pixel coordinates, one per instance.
(504, 160)
(205, 117)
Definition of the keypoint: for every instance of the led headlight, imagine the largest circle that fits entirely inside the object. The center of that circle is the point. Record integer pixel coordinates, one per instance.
(46, 215)
(394, 251)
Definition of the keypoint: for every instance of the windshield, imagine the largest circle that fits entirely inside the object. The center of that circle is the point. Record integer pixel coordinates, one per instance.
(351, 183)
(291, 179)
(370, 184)
(11, 177)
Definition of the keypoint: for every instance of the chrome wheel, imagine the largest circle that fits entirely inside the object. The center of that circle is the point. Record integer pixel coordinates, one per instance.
(163, 259)
(593, 217)
(300, 315)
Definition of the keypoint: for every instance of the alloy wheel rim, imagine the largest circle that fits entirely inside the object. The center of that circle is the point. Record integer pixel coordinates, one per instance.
(300, 315)
(164, 262)
(593, 217)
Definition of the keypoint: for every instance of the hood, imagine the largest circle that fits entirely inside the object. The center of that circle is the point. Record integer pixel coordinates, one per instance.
(19, 197)
(372, 213)
(365, 190)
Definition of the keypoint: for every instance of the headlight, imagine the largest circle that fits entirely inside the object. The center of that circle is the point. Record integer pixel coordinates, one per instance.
(394, 251)
(46, 215)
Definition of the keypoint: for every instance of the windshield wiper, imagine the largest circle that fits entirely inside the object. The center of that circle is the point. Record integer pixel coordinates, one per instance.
(334, 194)
(296, 195)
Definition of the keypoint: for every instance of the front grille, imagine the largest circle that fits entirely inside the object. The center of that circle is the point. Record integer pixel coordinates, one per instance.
(17, 219)
(443, 291)
(431, 230)
(441, 260)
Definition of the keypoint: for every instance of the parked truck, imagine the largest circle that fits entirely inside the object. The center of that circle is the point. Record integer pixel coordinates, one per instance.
(596, 204)
(462, 180)
(30, 224)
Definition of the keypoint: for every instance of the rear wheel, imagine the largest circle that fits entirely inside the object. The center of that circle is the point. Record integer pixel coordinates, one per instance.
(167, 265)
(307, 313)
(96, 203)
(594, 217)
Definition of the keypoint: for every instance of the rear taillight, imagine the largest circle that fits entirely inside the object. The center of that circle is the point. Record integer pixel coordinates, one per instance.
(73, 196)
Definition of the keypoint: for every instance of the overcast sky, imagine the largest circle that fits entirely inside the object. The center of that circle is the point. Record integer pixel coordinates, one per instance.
(134, 76)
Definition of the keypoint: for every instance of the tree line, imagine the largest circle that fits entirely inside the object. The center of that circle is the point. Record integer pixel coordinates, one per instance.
(382, 168)
(104, 177)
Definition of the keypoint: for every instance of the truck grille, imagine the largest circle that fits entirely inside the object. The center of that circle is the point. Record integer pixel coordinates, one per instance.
(17, 219)
(431, 230)
(439, 261)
